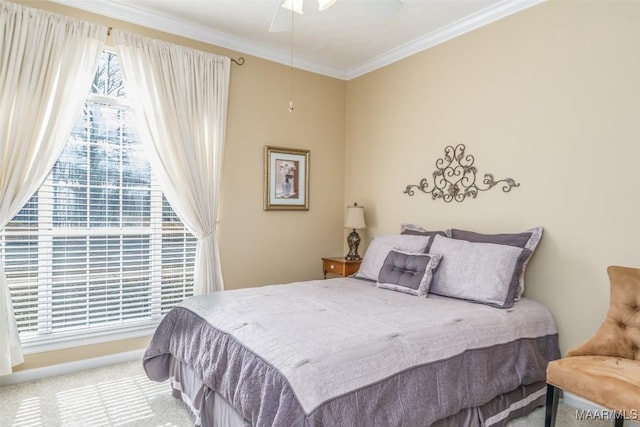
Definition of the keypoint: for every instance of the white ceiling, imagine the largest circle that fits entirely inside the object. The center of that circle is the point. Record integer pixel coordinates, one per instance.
(351, 38)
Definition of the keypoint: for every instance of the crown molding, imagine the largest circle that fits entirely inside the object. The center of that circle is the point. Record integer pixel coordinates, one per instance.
(161, 22)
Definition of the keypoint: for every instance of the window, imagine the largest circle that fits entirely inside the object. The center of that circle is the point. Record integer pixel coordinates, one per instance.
(97, 249)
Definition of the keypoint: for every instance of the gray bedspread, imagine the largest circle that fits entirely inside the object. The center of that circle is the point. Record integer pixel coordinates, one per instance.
(340, 351)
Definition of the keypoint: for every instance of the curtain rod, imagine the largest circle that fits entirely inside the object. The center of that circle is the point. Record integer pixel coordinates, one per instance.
(239, 61)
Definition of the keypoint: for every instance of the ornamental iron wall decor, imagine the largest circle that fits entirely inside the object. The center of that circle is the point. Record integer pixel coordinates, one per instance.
(455, 178)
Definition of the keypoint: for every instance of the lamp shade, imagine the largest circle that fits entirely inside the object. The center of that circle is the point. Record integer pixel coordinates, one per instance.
(355, 217)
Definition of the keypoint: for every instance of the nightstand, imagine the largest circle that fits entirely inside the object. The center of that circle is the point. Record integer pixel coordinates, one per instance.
(340, 266)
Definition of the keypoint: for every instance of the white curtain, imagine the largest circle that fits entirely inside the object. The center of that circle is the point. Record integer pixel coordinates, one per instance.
(47, 63)
(180, 96)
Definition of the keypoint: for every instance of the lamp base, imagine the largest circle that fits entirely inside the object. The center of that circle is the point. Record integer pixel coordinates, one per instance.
(353, 240)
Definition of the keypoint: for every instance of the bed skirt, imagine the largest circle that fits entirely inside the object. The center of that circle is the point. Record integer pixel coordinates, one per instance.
(210, 409)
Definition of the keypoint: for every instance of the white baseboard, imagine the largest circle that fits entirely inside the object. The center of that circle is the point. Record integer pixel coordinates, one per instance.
(70, 367)
(580, 403)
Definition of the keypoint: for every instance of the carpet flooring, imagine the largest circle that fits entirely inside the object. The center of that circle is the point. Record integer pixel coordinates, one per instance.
(121, 395)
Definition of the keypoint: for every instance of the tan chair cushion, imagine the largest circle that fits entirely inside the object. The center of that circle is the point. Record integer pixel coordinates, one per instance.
(611, 382)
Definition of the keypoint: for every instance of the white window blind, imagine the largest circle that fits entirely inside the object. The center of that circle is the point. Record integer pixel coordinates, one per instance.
(97, 248)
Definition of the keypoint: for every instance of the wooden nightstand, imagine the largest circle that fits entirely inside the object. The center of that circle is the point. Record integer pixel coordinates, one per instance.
(340, 266)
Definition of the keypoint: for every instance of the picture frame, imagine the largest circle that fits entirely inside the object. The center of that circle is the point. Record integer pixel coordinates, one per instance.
(286, 179)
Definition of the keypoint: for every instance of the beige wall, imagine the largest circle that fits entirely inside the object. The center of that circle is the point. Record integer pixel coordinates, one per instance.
(550, 97)
(259, 247)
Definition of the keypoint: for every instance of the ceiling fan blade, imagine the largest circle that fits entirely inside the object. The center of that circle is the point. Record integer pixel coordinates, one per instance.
(281, 20)
(325, 4)
(282, 17)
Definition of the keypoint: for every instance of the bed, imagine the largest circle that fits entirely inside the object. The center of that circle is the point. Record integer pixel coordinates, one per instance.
(431, 331)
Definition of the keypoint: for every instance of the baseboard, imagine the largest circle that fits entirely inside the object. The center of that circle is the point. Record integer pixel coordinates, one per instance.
(70, 367)
(584, 404)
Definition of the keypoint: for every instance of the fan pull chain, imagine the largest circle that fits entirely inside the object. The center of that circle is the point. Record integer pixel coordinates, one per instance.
(291, 66)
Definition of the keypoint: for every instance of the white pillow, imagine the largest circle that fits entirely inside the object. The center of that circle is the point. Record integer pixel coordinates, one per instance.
(487, 273)
(381, 246)
(528, 240)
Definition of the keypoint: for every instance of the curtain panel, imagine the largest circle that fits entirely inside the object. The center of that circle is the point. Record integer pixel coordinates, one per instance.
(180, 96)
(47, 63)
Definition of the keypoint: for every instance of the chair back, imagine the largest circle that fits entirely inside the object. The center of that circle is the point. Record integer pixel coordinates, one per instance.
(619, 335)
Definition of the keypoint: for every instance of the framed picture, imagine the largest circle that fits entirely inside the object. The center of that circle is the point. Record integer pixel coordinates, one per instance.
(286, 179)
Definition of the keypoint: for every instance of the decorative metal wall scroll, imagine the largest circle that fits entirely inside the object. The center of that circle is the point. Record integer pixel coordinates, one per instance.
(455, 178)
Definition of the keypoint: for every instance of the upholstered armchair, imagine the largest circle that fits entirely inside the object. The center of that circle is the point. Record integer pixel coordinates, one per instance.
(605, 369)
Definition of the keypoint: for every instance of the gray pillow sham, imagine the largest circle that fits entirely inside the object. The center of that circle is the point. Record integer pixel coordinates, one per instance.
(487, 273)
(416, 230)
(527, 240)
(409, 273)
(380, 247)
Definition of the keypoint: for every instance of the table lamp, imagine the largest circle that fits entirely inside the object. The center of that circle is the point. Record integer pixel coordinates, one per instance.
(355, 221)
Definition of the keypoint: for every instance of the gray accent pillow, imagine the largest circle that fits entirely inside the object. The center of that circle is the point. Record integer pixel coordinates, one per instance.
(380, 247)
(408, 272)
(487, 273)
(527, 240)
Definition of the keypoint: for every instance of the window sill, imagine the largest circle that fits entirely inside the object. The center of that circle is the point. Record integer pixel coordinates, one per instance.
(94, 337)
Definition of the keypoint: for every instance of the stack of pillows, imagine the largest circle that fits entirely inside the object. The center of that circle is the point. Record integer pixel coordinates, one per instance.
(483, 268)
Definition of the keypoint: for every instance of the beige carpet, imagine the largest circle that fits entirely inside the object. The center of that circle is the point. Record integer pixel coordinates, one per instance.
(121, 395)
(117, 395)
